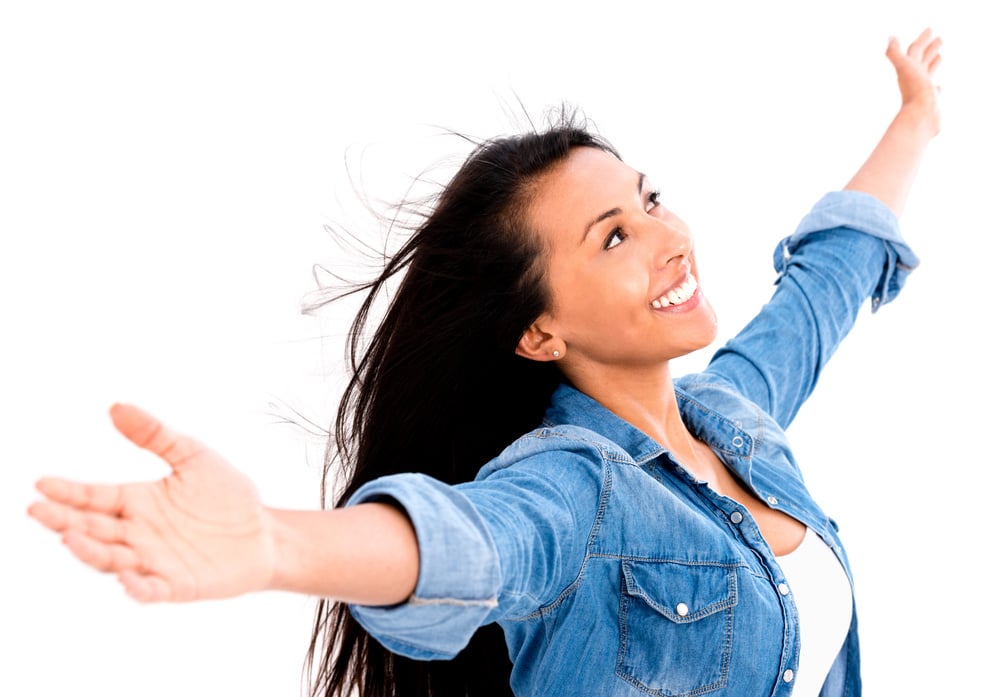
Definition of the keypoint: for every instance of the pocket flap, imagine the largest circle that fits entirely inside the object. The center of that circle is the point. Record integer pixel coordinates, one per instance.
(681, 592)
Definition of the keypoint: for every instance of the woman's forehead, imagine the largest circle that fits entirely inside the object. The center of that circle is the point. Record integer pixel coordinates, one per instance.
(587, 182)
(586, 165)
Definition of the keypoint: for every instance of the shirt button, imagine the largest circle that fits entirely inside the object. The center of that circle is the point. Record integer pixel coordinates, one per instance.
(682, 609)
(771, 500)
(736, 517)
(783, 588)
(737, 442)
(788, 675)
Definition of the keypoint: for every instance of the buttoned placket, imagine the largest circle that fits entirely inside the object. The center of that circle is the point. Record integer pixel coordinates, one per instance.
(743, 528)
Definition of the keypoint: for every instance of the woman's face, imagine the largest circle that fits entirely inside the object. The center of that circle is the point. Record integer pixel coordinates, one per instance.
(621, 268)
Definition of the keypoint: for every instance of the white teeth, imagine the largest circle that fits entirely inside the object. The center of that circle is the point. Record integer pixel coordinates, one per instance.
(676, 296)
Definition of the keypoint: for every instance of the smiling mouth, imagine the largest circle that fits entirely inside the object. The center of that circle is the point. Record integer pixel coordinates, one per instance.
(676, 296)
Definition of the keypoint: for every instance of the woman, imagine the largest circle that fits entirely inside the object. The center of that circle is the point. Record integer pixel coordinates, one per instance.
(651, 536)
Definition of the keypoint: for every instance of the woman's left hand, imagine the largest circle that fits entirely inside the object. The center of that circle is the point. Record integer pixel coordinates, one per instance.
(915, 70)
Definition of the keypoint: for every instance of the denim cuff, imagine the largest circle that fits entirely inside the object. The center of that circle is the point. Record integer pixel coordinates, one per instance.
(864, 213)
(459, 570)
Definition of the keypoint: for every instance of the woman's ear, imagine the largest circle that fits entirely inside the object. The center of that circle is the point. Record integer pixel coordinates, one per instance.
(538, 345)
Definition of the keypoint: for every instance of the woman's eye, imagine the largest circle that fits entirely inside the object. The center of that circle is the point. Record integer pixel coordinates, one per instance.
(615, 238)
(652, 200)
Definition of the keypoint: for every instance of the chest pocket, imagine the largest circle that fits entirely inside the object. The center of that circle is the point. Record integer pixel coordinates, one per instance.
(676, 626)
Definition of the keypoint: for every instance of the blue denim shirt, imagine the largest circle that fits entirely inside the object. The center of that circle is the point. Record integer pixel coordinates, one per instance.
(611, 570)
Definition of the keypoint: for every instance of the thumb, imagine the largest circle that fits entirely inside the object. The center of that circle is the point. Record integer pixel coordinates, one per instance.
(149, 433)
(894, 51)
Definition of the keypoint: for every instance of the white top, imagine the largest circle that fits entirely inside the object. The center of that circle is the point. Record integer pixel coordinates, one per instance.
(823, 599)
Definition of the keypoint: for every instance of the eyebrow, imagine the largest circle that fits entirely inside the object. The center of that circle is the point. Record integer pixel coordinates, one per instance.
(612, 212)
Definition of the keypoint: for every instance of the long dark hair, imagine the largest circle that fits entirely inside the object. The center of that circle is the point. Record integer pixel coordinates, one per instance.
(438, 389)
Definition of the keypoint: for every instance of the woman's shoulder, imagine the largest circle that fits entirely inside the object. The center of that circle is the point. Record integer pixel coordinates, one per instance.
(712, 392)
(710, 403)
(554, 447)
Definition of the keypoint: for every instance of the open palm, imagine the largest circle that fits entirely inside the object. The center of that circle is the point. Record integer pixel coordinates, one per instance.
(200, 532)
(915, 69)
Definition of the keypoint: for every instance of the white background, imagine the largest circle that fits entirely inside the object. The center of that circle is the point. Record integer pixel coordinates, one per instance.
(166, 173)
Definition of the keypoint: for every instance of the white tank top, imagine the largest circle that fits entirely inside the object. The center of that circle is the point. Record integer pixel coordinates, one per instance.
(822, 595)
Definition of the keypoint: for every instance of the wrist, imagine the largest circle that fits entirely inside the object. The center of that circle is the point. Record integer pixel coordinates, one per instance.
(921, 116)
(286, 549)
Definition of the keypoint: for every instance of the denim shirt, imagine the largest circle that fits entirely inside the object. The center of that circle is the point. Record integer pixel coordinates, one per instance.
(613, 571)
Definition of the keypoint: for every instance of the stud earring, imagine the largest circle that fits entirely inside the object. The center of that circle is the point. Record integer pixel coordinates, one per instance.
(555, 354)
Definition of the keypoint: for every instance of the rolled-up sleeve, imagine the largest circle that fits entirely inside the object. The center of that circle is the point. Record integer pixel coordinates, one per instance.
(865, 213)
(459, 570)
(498, 547)
(846, 250)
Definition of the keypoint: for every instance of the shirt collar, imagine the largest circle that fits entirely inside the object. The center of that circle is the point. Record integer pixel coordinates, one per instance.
(728, 438)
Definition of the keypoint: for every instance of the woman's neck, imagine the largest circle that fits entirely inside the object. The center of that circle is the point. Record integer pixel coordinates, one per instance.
(646, 399)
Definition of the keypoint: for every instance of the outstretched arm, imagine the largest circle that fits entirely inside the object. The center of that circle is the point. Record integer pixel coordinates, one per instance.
(202, 532)
(889, 171)
(777, 358)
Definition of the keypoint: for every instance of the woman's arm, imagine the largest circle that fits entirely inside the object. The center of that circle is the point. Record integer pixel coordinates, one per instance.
(202, 531)
(365, 554)
(422, 581)
(889, 171)
(828, 268)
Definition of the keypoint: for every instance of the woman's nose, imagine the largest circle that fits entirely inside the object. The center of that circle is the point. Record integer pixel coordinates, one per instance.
(671, 242)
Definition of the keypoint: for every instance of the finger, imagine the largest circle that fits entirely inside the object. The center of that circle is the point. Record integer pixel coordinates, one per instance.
(100, 555)
(95, 497)
(59, 518)
(934, 65)
(894, 52)
(151, 434)
(916, 49)
(145, 588)
(51, 515)
(932, 51)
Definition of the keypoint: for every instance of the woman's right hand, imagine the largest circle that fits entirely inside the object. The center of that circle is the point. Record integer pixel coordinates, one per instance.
(201, 532)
